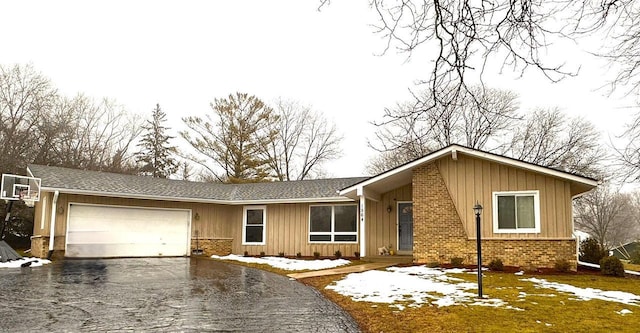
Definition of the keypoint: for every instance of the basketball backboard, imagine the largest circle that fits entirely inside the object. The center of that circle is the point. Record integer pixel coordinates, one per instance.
(16, 187)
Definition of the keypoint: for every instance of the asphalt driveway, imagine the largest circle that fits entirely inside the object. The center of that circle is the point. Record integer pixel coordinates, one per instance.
(163, 294)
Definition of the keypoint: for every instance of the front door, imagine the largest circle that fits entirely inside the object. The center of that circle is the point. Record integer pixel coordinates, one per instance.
(405, 226)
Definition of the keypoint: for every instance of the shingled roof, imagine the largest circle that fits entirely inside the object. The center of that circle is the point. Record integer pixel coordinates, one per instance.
(87, 182)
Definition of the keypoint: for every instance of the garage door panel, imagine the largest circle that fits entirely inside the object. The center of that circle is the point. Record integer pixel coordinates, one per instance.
(106, 231)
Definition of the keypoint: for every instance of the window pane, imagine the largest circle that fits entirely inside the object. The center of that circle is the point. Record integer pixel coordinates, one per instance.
(320, 218)
(345, 238)
(253, 234)
(254, 216)
(319, 238)
(345, 218)
(506, 212)
(526, 217)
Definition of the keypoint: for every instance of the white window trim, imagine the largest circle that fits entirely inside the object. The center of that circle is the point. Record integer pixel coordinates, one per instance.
(264, 225)
(536, 210)
(333, 233)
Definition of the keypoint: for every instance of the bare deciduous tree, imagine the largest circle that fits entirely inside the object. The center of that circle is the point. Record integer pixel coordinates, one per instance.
(303, 141)
(232, 139)
(93, 135)
(629, 156)
(25, 95)
(606, 215)
(412, 130)
(549, 138)
(466, 37)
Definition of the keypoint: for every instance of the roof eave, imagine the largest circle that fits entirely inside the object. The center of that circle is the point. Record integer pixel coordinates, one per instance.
(587, 182)
(198, 200)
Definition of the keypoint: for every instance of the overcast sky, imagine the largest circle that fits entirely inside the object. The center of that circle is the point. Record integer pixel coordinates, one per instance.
(183, 54)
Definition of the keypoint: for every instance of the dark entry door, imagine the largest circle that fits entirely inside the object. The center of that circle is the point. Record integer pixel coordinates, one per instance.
(405, 226)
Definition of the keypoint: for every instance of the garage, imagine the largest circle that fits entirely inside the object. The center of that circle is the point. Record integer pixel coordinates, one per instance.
(99, 231)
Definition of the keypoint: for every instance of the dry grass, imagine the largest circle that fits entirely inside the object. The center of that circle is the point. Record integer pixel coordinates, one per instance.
(560, 313)
(632, 267)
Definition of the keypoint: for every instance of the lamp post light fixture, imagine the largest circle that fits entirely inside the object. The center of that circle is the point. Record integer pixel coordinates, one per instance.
(478, 210)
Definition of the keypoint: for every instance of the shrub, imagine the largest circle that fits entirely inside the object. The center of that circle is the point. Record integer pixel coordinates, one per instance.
(611, 266)
(357, 255)
(635, 258)
(262, 253)
(316, 255)
(433, 264)
(281, 254)
(457, 262)
(246, 253)
(298, 255)
(338, 254)
(496, 265)
(562, 265)
(590, 251)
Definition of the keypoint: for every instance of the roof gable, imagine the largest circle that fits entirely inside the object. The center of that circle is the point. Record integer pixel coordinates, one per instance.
(403, 174)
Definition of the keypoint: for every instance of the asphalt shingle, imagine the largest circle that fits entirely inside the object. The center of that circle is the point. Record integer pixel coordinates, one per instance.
(118, 184)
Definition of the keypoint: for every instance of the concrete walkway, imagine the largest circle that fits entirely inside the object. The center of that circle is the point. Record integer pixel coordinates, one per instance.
(342, 270)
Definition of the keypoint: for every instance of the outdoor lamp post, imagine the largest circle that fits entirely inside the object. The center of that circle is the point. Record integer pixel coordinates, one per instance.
(478, 210)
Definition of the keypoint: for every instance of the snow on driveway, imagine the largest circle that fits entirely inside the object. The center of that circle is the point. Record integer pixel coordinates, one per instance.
(288, 264)
(33, 262)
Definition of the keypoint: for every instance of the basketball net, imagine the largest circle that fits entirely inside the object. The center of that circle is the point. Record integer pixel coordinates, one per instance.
(27, 200)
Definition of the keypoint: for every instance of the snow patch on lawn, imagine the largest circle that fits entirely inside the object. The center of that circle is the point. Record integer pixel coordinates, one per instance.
(288, 264)
(34, 262)
(587, 294)
(416, 285)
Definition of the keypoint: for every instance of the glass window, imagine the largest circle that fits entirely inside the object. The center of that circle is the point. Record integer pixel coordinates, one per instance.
(320, 217)
(516, 212)
(345, 218)
(333, 223)
(254, 225)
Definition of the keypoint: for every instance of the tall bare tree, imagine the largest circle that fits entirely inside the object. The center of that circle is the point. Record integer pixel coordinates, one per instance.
(25, 95)
(629, 156)
(412, 130)
(303, 140)
(549, 138)
(606, 215)
(232, 138)
(93, 135)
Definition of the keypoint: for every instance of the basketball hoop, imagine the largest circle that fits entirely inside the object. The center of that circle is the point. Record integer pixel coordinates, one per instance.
(28, 201)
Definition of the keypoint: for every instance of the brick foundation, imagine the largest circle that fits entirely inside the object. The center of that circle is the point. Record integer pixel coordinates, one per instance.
(439, 235)
(40, 247)
(211, 246)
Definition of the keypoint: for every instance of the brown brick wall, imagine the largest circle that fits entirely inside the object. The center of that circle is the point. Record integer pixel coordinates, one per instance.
(40, 247)
(439, 235)
(211, 246)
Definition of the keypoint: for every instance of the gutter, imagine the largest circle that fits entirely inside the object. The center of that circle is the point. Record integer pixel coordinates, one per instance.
(52, 230)
(197, 200)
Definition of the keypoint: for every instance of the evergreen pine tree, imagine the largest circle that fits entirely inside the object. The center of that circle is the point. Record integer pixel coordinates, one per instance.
(155, 152)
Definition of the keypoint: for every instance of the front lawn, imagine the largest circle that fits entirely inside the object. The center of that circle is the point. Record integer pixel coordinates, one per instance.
(525, 303)
(420, 299)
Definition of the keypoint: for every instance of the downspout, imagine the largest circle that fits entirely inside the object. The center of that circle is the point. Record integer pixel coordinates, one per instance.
(52, 230)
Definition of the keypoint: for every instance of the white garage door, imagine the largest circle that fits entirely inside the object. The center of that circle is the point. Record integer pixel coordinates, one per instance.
(95, 231)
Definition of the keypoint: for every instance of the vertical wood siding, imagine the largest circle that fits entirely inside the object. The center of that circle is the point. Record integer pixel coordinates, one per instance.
(287, 224)
(470, 179)
(382, 227)
(288, 232)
